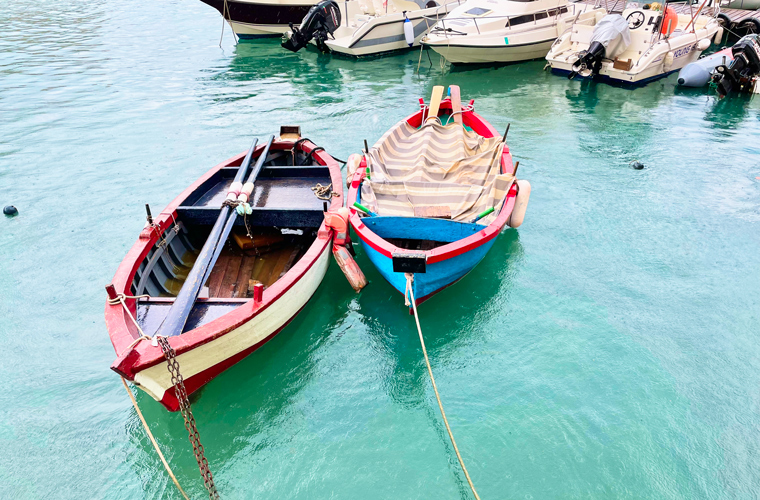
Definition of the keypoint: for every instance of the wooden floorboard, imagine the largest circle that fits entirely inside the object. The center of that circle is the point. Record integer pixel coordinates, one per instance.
(217, 275)
(230, 276)
(246, 271)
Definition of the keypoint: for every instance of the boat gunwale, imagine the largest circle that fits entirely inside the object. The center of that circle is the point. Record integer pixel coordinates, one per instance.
(455, 248)
(123, 332)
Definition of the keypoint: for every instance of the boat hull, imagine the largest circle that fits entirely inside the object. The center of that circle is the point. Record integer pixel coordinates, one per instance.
(200, 365)
(437, 276)
(261, 19)
(382, 34)
(484, 54)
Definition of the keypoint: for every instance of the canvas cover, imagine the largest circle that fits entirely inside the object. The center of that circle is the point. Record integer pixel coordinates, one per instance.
(436, 167)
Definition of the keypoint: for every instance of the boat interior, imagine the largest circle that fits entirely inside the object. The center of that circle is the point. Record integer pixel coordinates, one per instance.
(263, 246)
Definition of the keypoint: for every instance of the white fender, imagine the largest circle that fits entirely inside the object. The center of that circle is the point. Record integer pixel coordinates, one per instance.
(408, 32)
(521, 204)
(352, 163)
(668, 62)
(718, 36)
(703, 44)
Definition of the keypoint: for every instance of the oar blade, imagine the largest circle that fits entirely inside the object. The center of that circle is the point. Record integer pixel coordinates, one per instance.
(456, 103)
(435, 102)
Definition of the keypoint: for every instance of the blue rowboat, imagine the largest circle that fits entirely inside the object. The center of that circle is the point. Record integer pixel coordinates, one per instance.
(437, 250)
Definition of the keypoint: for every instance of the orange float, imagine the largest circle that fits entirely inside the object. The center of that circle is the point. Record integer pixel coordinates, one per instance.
(669, 21)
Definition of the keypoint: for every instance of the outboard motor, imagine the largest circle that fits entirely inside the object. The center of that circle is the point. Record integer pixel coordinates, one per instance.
(320, 22)
(740, 74)
(610, 38)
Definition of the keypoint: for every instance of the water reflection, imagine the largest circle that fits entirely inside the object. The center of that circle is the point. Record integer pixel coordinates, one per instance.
(449, 320)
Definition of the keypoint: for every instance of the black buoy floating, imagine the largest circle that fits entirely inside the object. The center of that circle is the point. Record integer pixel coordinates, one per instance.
(636, 165)
(10, 211)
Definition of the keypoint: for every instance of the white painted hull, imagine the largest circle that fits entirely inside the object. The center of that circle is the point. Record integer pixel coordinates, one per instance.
(501, 31)
(471, 54)
(243, 30)
(155, 380)
(376, 35)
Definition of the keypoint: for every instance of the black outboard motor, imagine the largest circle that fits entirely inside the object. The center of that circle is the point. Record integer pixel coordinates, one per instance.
(611, 36)
(739, 74)
(589, 61)
(320, 22)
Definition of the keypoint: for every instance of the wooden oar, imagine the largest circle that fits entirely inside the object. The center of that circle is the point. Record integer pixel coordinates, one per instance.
(456, 103)
(435, 103)
(234, 214)
(176, 318)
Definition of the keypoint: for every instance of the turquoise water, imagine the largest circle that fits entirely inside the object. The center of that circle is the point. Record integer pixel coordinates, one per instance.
(607, 349)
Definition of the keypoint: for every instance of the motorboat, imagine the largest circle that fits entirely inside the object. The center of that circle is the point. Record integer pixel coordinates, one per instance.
(642, 44)
(367, 27)
(502, 31)
(429, 199)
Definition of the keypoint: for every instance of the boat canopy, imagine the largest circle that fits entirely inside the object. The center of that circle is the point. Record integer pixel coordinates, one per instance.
(436, 171)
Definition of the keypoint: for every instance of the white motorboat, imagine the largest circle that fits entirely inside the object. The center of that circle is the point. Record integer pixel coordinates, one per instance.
(644, 43)
(367, 27)
(488, 31)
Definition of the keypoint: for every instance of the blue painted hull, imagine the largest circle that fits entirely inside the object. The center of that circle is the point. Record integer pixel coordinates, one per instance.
(438, 275)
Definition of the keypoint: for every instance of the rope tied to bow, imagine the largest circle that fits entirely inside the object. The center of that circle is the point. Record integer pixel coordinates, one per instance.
(409, 298)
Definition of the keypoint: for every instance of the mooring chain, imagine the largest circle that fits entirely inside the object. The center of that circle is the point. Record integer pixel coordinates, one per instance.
(184, 407)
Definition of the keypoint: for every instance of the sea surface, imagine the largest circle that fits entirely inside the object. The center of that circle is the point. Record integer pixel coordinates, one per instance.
(609, 348)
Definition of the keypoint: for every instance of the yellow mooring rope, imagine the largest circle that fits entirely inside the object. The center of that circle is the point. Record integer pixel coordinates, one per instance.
(410, 292)
(153, 440)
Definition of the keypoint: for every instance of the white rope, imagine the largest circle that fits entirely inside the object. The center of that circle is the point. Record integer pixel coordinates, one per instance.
(121, 298)
(153, 440)
(409, 298)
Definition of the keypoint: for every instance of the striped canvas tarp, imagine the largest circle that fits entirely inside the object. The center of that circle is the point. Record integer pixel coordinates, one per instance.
(436, 167)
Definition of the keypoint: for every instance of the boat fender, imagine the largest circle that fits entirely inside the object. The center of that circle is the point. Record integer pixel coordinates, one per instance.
(337, 220)
(352, 165)
(408, 31)
(521, 204)
(703, 44)
(668, 61)
(350, 268)
(718, 36)
(10, 211)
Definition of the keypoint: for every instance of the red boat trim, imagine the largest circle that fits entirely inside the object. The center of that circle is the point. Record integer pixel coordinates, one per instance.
(123, 332)
(450, 250)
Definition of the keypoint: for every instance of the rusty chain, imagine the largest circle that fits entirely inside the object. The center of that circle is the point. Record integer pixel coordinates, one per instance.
(184, 407)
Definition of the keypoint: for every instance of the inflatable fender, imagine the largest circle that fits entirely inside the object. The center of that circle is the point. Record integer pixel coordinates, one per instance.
(353, 163)
(521, 204)
(408, 31)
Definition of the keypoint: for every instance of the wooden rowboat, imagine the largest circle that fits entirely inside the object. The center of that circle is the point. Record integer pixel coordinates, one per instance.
(439, 189)
(268, 269)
